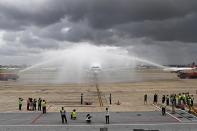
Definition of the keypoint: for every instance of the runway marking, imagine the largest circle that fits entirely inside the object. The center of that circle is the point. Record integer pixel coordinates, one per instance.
(99, 96)
(36, 118)
(167, 113)
(100, 125)
(187, 112)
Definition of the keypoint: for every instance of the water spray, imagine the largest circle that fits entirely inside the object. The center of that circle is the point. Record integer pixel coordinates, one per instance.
(72, 63)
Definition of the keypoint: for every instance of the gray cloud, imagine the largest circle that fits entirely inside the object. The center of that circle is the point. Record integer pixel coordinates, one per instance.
(16, 50)
(19, 16)
(158, 24)
(156, 17)
(105, 14)
(177, 29)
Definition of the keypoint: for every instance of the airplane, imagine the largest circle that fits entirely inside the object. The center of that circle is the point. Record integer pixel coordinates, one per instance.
(179, 69)
(95, 68)
(49, 69)
(7, 73)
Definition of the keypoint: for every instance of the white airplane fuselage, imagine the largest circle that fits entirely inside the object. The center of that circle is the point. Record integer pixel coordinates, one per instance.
(178, 69)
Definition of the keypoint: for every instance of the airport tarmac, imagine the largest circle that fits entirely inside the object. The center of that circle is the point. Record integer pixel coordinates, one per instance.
(129, 114)
(125, 121)
(98, 118)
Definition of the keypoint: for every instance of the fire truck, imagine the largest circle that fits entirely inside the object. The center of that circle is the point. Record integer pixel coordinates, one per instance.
(8, 75)
(192, 74)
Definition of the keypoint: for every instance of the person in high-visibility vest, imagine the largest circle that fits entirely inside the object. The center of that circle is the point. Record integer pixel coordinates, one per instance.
(179, 99)
(20, 103)
(74, 115)
(44, 105)
(63, 115)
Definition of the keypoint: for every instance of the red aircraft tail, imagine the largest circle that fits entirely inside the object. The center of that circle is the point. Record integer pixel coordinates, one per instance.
(193, 65)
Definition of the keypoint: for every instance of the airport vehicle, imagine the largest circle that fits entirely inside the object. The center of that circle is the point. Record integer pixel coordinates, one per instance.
(6, 76)
(192, 74)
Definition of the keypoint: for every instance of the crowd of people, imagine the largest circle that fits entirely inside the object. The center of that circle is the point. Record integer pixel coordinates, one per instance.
(33, 104)
(180, 100)
(73, 116)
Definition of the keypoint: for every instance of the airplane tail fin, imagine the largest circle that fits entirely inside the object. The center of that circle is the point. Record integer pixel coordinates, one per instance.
(193, 65)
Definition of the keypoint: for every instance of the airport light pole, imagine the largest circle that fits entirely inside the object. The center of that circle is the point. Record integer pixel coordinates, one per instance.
(81, 98)
(110, 98)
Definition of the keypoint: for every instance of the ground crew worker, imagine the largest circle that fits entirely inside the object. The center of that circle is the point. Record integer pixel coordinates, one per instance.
(179, 99)
(189, 104)
(163, 99)
(187, 98)
(167, 100)
(88, 118)
(28, 103)
(44, 105)
(74, 115)
(163, 109)
(34, 104)
(173, 105)
(184, 98)
(155, 99)
(192, 100)
(175, 99)
(20, 103)
(171, 99)
(145, 99)
(39, 104)
(107, 116)
(63, 115)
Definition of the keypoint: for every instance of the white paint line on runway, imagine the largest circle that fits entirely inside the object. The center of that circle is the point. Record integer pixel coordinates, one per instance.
(167, 113)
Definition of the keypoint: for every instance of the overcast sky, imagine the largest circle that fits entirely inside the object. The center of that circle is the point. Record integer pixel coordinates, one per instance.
(164, 31)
